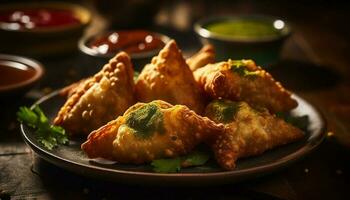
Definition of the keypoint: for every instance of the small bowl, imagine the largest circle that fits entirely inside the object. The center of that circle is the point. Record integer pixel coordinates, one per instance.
(265, 50)
(139, 59)
(26, 70)
(43, 41)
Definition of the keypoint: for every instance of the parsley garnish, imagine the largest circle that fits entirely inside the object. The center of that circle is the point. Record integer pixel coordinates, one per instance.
(48, 135)
(195, 158)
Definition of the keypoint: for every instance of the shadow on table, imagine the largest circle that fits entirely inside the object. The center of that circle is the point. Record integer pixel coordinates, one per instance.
(56, 180)
(304, 76)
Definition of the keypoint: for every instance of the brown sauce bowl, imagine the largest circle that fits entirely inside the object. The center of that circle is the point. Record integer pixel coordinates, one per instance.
(18, 74)
(139, 59)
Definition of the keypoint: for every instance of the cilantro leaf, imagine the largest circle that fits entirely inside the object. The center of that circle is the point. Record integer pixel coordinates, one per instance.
(167, 165)
(25, 115)
(172, 165)
(195, 158)
(48, 135)
(60, 134)
(47, 143)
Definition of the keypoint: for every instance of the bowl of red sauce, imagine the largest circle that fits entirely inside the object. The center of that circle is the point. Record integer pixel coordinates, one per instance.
(45, 28)
(141, 45)
(18, 74)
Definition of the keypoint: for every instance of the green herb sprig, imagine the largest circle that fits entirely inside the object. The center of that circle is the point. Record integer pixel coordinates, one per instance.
(48, 135)
(196, 158)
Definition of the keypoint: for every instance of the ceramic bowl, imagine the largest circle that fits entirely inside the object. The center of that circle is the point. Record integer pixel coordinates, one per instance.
(265, 50)
(138, 59)
(43, 41)
(17, 82)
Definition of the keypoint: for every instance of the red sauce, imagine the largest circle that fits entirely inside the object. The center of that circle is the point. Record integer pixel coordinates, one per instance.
(38, 18)
(13, 73)
(135, 41)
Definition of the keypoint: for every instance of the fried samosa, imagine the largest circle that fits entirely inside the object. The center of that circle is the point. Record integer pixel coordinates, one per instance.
(74, 87)
(242, 80)
(203, 57)
(169, 78)
(248, 132)
(99, 99)
(149, 131)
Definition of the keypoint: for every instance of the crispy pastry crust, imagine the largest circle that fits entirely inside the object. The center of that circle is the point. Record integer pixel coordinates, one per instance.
(100, 98)
(183, 130)
(99, 142)
(169, 78)
(74, 87)
(219, 81)
(203, 57)
(251, 133)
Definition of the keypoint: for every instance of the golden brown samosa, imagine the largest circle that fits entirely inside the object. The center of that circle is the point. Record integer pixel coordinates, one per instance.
(169, 78)
(248, 132)
(203, 57)
(242, 80)
(149, 131)
(99, 99)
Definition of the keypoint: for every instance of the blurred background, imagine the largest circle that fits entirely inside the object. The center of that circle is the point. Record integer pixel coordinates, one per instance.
(317, 49)
(320, 24)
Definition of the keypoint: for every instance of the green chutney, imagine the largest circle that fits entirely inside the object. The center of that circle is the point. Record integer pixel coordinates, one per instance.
(221, 110)
(244, 28)
(146, 120)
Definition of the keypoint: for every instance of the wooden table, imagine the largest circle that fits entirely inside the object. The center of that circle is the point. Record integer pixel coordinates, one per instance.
(315, 65)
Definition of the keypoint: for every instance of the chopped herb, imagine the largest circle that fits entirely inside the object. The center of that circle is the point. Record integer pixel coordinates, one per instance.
(301, 122)
(146, 120)
(48, 135)
(239, 67)
(196, 158)
(222, 110)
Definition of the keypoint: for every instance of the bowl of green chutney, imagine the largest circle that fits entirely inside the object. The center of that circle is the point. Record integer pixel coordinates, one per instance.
(256, 37)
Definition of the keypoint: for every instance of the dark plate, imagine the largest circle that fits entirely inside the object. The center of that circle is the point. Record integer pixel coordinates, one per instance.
(72, 158)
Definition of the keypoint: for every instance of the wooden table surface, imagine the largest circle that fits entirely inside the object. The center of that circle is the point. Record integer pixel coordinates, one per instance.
(315, 65)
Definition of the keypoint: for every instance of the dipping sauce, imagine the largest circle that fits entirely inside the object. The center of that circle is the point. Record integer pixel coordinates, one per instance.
(246, 28)
(37, 18)
(14, 73)
(135, 41)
